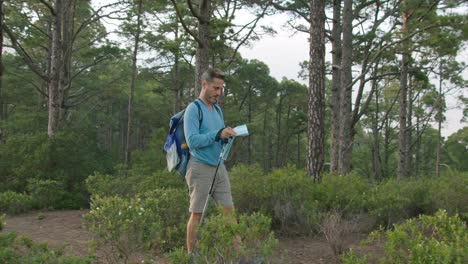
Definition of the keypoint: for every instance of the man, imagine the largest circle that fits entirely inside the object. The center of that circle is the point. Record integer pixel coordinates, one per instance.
(205, 143)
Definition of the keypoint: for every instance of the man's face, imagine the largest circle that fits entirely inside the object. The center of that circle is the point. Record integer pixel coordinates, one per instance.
(212, 90)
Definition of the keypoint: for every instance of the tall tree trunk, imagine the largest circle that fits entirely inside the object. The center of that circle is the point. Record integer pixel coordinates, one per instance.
(387, 140)
(285, 141)
(60, 69)
(298, 150)
(2, 116)
(346, 137)
(264, 141)
(418, 143)
(439, 121)
(175, 75)
(336, 84)
(132, 84)
(54, 102)
(402, 137)
(279, 111)
(110, 131)
(249, 139)
(203, 49)
(316, 104)
(409, 126)
(376, 164)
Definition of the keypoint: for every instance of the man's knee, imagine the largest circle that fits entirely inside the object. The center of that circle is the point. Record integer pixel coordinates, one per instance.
(195, 217)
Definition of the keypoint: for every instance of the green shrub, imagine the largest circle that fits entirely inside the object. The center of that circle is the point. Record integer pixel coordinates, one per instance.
(69, 159)
(132, 184)
(221, 240)
(150, 221)
(450, 193)
(342, 193)
(124, 224)
(14, 203)
(2, 221)
(248, 184)
(46, 193)
(285, 195)
(19, 250)
(425, 240)
(171, 208)
(294, 207)
(103, 185)
(387, 204)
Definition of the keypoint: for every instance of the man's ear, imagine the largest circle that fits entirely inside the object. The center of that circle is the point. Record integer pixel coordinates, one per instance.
(203, 84)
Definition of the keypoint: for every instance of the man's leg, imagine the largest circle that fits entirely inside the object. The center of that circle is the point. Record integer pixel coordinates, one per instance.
(192, 226)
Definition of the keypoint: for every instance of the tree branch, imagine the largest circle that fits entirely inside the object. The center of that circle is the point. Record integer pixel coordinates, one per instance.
(181, 19)
(52, 10)
(24, 54)
(195, 13)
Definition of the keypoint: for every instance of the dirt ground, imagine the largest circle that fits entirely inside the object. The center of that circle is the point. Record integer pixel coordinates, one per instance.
(64, 229)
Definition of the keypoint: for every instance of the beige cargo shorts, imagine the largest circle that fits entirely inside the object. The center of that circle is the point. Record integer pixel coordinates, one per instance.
(199, 178)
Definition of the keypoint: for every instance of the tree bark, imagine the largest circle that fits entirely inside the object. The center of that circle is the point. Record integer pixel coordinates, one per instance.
(316, 103)
(132, 85)
(377, 163)
(279, 111)
(336, 84)
(402, 137)
(439, 121)
(249, 139)
(346, 137)
(409, 154)
(175, 76)
(2, 115)
(203, 49)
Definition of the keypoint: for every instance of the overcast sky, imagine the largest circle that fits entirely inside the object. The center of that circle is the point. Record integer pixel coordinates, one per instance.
(284, 51)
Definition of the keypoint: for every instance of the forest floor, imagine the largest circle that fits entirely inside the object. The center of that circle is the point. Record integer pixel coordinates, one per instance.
(65, 229)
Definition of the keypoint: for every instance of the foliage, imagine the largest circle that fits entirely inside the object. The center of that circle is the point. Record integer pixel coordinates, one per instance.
(131, 184)
(2, 221)
(125, 224)
(457, 149)
(68, 159)
(427, 239)
(223, 240)
(450, 193)
(45, 193)
(154, 220)
(17, 250)
(345, 193)
(284, 195)
(15, 203)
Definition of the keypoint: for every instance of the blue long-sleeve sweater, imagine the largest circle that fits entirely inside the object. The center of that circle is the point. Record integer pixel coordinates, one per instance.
(201, 138)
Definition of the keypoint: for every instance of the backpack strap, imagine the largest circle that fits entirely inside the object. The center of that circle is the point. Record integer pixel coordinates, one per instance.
(200, 113)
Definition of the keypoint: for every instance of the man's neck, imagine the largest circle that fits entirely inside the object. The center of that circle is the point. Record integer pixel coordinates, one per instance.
(208, 104)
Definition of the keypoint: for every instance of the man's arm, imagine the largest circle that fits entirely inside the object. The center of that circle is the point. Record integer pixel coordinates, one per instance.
(192, 130)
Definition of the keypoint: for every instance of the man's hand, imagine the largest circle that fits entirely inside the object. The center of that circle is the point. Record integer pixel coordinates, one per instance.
(225, 133)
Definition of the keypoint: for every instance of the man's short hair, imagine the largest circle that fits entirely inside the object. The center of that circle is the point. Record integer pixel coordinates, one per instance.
(212, 73)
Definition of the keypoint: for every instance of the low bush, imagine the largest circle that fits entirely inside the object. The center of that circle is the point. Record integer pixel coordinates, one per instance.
(46, 193)
(14, 203)
(344, 193)
(221, 240)
(2, 221)
(294, 208)
(19, 250)
(151, 221)
(285, 195)
(124, 224)
(426, 240)
(450, 193)
(131, 184)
